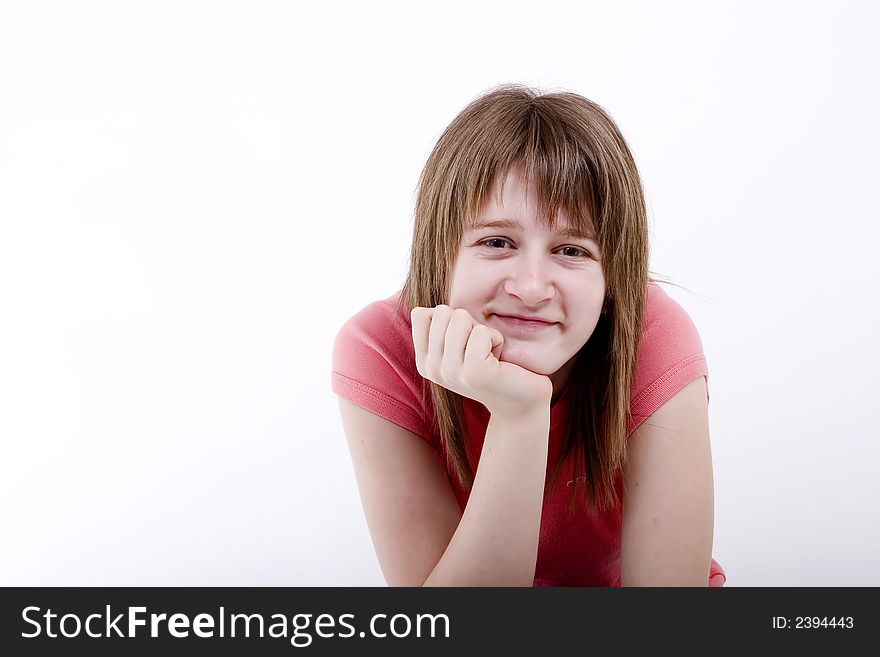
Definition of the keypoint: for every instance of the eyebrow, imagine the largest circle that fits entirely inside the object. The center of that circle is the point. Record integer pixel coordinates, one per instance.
(516, 225)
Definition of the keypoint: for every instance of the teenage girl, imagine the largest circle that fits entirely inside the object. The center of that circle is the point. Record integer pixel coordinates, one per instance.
(531, 408)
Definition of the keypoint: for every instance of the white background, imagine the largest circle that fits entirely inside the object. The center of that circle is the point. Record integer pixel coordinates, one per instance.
(194, 197)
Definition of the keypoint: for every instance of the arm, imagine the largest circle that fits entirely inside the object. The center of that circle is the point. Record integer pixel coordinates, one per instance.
(496, 543)
(668, 495)
(420, 536)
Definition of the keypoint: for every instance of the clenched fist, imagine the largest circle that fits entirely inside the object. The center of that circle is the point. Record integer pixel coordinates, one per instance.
(457, 352)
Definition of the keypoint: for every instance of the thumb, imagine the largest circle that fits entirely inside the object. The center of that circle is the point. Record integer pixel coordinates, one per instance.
(497, 342)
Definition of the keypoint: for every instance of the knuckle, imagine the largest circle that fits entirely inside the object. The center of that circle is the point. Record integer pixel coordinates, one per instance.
(479, 333)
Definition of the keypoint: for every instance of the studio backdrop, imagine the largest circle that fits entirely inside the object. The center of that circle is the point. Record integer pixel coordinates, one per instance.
(195, 196)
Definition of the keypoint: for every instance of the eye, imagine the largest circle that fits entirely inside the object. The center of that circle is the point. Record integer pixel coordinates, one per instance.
(581, 253)
(494, 239)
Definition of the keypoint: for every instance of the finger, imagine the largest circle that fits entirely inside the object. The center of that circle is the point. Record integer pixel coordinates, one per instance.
(436, 339)
(460, 325)
(479, 346)
(420, 318)
(497, 338)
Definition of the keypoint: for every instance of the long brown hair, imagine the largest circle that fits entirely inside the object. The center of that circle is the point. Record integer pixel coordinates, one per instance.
(575, 158)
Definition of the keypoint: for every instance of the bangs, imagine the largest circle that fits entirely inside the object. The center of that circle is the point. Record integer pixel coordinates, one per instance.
(556, 165)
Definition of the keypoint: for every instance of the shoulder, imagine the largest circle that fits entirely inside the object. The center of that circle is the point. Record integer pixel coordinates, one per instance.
(373, 364)
(380, 326)
(665, 315)
(378, 313)
(670, 353)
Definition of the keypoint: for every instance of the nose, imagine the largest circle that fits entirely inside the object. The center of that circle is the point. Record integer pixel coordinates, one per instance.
(529, 280)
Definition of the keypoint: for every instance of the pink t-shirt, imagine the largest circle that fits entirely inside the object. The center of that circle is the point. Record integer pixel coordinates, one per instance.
(374, 367)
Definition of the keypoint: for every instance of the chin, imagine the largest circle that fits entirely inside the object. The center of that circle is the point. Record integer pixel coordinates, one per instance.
(528, 362)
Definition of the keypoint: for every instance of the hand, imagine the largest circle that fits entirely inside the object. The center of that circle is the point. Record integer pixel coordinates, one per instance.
(457, 352)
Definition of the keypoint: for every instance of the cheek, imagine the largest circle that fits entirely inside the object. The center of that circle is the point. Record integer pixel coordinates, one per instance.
(586, 324)
(456, 281)
(581, 327)
(467, 281)
(457, 289)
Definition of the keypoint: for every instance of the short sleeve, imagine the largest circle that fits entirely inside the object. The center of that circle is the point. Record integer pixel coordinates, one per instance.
(374, 367)
(670, 355)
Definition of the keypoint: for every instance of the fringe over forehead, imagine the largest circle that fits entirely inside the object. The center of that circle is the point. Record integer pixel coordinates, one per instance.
(564, 144)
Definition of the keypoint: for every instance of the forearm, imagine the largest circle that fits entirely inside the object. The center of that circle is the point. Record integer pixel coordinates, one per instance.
(496, 542)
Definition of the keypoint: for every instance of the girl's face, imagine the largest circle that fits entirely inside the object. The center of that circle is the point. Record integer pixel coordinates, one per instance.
(511, 264)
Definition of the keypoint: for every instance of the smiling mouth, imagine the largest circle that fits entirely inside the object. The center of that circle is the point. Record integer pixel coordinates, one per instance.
(525, 325)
